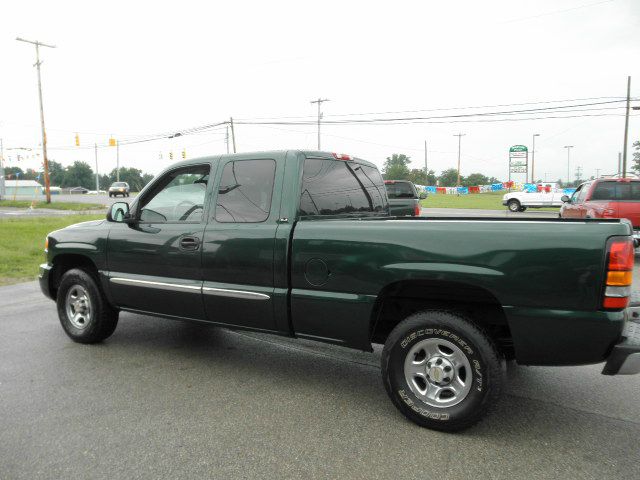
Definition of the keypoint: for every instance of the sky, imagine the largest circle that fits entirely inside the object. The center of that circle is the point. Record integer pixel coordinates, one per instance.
(129, 69)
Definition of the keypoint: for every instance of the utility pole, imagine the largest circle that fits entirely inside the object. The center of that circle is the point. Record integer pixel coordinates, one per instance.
(233, 135)
(95, 146)
(533, 157)
(226, 139)
(619, 163)
(319, 101)
(426, 170)
(568, 147)
(2, 188)
(117, 161)
(459, 135)
(626, 130)
(578, 173)
(44, 135)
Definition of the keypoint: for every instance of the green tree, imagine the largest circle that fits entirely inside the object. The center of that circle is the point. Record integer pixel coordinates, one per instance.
(13, 173)
(133, 176)
(448, 178)
(79, 174)
(146, 178)
(474, 179)
(56, 173)
(396, 167)
(418, 177)
(105, 181)
(636, 157)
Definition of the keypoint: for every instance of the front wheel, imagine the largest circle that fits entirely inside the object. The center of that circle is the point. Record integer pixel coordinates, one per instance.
(83, 310)
(513, 205)
(441, 371)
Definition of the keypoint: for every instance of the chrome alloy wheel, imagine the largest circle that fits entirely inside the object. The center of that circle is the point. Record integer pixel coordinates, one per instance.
(78, 307)
(438, 372)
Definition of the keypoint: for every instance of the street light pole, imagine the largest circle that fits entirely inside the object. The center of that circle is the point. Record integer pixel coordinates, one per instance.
(533, 157)
(568, 147)
(44, 135)
(95, 146)
(319, 101)
(459, 135)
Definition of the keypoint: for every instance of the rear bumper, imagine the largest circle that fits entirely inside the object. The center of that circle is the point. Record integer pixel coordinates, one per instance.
(625, 356)
(43, 278)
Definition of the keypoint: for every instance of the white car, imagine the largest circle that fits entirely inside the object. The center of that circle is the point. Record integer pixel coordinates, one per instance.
(520, 201)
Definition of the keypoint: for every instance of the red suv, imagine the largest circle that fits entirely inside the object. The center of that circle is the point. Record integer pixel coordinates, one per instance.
(606, 198)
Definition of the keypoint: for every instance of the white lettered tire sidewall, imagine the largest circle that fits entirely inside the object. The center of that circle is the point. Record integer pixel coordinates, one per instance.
(486, 369)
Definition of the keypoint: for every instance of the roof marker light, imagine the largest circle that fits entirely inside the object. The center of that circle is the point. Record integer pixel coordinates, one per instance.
(342, 156)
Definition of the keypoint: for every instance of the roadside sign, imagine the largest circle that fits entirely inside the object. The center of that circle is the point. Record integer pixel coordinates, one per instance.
(518, 160)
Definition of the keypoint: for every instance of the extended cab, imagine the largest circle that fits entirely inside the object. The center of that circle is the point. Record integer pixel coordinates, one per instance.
(301, 244)
(606, 198)
(547, 195)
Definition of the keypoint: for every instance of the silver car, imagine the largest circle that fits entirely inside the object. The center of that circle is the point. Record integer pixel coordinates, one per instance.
(119, 188)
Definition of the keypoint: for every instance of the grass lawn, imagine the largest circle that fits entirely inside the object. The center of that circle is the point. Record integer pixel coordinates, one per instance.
(76, 206)
(482, 201)
(22, 244)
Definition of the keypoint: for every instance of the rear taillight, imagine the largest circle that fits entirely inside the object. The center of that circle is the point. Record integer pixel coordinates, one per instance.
(416, 210)
(619, 274)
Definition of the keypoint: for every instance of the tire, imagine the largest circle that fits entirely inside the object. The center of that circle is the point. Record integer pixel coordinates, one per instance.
(466, 354)
(522, 209)
(109, 195)
(83, 310)
(513, 205)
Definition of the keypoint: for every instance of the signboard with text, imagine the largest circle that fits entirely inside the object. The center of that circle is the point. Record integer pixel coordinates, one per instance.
(518, 160)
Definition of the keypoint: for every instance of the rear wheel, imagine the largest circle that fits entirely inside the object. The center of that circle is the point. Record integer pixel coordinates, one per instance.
(441, 371)
(83, 310)
(513, 205)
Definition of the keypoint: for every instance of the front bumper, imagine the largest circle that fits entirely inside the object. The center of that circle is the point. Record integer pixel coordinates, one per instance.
(43, 278)
(625, 356)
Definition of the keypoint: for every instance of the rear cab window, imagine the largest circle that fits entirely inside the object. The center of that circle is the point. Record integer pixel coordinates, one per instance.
(397, 189)
(338, 187)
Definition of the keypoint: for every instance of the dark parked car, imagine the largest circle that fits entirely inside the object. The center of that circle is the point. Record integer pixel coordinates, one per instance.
(403, 198)
(119, 188)
(301, 244)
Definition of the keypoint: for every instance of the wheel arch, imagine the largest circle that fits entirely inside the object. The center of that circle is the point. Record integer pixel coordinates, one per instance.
(64, 262)
(398, 300)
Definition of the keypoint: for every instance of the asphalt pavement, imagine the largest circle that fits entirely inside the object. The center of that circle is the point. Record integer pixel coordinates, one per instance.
(167, 399)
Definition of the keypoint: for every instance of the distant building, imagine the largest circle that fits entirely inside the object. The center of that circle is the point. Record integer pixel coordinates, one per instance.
(22, 188)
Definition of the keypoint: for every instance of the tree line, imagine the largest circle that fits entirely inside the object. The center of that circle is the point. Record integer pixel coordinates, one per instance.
(80, 174)
(396, 167)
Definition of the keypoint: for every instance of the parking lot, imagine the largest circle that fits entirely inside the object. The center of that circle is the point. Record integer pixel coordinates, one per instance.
(169, 399)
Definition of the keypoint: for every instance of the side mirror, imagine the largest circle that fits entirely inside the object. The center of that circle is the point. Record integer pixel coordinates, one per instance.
(422, 195)
(119, 212)
(565, 198)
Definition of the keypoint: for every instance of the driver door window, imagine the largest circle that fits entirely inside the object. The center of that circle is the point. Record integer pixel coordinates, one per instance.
(178, 198)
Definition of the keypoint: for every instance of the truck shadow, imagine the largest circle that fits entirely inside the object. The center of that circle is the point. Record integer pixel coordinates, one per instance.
(339, 385)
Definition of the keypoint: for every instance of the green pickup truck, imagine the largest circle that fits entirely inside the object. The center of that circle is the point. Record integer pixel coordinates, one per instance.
(301, 244)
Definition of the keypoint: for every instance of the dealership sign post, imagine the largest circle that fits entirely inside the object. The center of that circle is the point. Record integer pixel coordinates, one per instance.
(518, 160)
